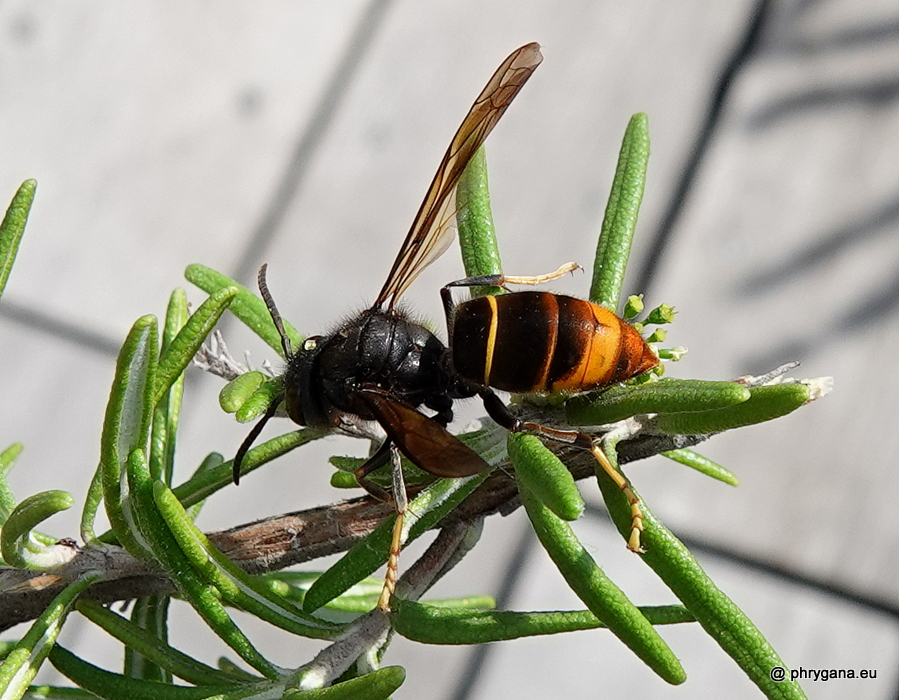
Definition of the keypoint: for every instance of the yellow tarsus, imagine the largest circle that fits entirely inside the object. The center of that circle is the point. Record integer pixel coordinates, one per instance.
(393, 559)
(540, 279)
(633, 542)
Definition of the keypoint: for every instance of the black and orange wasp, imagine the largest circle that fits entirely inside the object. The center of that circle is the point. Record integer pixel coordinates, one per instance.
(382, 366)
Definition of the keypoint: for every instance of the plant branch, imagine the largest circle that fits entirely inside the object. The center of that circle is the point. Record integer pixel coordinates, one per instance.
(279, 541)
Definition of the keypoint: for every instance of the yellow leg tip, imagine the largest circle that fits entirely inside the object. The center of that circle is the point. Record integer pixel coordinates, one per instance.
(634, 544)
(392, 564)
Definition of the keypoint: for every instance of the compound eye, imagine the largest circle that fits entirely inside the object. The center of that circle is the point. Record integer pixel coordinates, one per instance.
(293, 403)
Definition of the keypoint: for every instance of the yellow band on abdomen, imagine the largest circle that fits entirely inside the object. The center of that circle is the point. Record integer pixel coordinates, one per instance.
(491, 338)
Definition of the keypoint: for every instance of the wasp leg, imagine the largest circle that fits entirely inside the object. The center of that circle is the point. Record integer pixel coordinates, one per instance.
(377, 460)
(499, 412)
(443, 407)
(633, 542)
(540, 279)
(396, 541)
(397, 496)
(503, 280)
(446, 293)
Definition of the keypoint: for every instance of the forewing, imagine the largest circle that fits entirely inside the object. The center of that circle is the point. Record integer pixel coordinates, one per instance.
(432, 229)
(425, 442)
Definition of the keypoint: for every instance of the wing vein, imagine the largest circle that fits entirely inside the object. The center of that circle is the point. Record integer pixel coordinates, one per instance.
(432, 229)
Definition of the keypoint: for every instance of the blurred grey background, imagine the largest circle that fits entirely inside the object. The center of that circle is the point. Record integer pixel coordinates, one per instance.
(304, 134)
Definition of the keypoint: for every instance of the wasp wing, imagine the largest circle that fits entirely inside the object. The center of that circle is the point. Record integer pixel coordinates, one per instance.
(432, 229)
(424, 441)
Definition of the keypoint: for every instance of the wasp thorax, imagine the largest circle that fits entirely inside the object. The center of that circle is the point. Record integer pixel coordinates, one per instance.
(375, 350)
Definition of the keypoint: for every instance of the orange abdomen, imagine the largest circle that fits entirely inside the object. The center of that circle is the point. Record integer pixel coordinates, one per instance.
(538, 341)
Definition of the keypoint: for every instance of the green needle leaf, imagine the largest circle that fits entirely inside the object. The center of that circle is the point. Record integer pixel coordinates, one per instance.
(718, 615)
(184, 346)
(764, 404)
(114, 686)
(248, 307)
(236, 392)
(474, 219)
(545, 475)
(152, 647)
(696, 461)
(92, 501)
(23, 662)
(167, 412)
(620, 222)
(7, 499)
(12, 228)
(204, 597)
(603, 598)
(18, 546)
(177, 315)
(342, 480)
(127, 426)
(9, 456)
(235, 586)
(150, 614)
(377, 685)
(269, 391)
(431, 624)
(663, 396)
